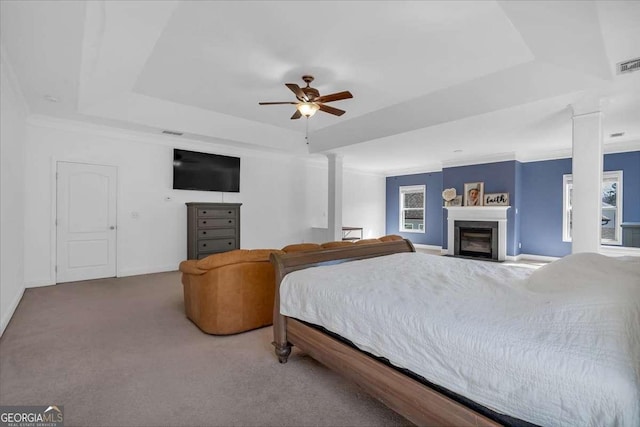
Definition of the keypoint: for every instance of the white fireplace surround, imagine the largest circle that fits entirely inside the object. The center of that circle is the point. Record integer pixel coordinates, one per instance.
(478, 213)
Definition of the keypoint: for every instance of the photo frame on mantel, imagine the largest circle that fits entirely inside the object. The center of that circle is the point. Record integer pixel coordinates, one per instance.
(496, 199)
(473, 193)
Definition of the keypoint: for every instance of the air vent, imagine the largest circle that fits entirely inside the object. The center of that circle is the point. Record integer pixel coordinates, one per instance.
(629, 66)
(616, 135)
(172, 132)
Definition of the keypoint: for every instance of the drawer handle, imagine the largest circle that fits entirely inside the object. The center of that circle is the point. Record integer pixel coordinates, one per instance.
(229, 221)
(229, 212)
(229, 243)
(204, 222)
(204, 212)
(205, 245)
(204, 232)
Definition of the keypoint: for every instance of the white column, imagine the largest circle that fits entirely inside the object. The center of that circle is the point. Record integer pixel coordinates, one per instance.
(587, 177)
(335, 197)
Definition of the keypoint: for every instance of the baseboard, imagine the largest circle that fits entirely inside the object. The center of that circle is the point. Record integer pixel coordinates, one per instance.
(12, 308)
(619, 251)
(122, 273)
(531, 257)
(39, 283)
(148, 270)
(429, 247)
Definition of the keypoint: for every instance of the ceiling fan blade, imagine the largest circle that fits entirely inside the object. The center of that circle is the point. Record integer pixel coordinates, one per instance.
(296, 115)
(299, 93)
(331, 110)
(276, 103)
(334, 97)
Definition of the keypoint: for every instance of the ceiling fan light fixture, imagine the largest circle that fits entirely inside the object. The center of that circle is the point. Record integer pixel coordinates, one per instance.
(307, 109)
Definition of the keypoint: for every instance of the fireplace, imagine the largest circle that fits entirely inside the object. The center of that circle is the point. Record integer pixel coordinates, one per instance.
(476, 239)
(478, 217)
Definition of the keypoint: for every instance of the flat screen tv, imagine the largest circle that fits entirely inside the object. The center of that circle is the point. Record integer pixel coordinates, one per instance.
(205, 172)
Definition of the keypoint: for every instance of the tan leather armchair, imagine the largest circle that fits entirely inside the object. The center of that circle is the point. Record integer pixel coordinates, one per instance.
(230, 292)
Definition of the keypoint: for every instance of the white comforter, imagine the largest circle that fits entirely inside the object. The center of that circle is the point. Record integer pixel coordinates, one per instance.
(559, 346)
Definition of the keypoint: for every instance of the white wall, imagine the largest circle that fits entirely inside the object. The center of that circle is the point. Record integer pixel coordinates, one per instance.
(13, 113)
(363, 201)
(272, 186)
(282, 196)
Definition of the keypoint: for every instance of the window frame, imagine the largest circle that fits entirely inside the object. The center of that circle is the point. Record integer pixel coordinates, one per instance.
(405, 189)
(607, 176)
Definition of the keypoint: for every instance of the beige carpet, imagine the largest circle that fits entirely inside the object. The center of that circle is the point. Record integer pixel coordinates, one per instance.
(120, 352)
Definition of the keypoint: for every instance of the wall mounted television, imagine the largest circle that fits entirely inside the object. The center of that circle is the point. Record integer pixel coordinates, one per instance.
(205, 172)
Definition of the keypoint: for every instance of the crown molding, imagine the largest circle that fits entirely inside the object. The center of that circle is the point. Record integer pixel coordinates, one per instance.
(169, 141)
(622, 146)
(430, 168)
(528, 157)
(609, 148)
(479, 160)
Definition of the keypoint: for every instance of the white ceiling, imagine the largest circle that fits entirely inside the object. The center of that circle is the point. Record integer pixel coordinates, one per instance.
(492, 79)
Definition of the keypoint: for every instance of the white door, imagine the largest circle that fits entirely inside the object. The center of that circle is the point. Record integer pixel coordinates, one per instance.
(86, 222)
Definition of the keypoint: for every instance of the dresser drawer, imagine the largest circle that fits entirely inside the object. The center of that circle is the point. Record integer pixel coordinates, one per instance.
(215, 245)
(212, 228)
(216, 222)
(216, 213)
(210, 233)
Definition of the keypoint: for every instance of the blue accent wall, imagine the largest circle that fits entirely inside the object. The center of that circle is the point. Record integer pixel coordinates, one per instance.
(433, 212)
(541, 207)
(499, 177)
(535, 191)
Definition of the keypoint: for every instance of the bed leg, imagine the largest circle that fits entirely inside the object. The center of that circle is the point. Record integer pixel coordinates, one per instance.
(282, 351)
(283, 347)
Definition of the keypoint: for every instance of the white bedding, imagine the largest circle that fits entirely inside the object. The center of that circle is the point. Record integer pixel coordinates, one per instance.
(559, 346)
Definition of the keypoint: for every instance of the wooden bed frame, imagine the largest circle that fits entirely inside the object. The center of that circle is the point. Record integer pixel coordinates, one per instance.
(412, 399)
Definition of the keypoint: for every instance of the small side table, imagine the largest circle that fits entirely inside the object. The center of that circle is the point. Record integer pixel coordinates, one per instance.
(351, 233)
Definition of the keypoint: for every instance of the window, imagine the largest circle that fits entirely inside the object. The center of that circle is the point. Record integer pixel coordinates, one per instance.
(412, 208)
(610, 231)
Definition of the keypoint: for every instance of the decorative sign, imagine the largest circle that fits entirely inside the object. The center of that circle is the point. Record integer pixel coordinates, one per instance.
(496, 199)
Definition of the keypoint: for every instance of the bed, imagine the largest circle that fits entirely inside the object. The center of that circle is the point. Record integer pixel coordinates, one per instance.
(458, 342)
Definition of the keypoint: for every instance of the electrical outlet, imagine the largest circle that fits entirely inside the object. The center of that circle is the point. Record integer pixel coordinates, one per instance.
(135, 215)
(519, 245)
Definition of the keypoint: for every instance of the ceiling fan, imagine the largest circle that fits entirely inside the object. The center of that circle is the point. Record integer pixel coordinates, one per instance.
(310, 101)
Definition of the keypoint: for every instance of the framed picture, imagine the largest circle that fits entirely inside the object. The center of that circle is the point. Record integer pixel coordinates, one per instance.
(496, 199)
(473, 193)
(457, 201)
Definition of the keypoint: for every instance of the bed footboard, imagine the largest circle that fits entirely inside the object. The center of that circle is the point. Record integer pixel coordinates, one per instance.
(287, 263)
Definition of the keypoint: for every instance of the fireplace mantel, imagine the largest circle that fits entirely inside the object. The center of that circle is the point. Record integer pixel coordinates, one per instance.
(478, 213)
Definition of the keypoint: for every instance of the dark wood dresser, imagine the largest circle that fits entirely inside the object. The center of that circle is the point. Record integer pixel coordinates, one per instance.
(212, 228)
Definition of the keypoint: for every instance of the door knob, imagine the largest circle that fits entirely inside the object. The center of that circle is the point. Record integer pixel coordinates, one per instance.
(112, 227)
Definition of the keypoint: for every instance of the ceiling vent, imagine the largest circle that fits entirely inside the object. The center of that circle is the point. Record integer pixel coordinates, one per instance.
(172, 132)
(629, 66)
